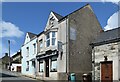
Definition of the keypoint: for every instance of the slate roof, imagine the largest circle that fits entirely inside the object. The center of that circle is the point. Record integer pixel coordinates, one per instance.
(57, 15)
(106, 37)
(31, 35)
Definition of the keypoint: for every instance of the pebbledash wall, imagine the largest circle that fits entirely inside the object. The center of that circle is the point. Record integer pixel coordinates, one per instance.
(111, 51)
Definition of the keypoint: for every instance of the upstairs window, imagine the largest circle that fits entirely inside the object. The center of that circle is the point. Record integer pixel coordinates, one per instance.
(48, 40)
(41, 43)
(53, 38)
(27, 51)
(34, 48)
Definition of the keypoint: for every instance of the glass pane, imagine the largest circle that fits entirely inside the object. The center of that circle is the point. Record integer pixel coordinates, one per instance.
(53, 41)
(41, 43)
(48, 36)
(53, 34)
(48, 43)
(41, 67)
(34, 45)
(54, 66)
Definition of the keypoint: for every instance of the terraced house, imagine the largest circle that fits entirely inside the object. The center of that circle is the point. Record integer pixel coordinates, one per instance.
(29, 52)
(63, 47)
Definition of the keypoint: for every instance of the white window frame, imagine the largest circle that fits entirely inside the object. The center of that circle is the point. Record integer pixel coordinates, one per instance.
(48, 39)
(34, 48)
(27, 68)
(54, 59)
(27, 50)
(41, 64)
(51, 37)
(41, 43)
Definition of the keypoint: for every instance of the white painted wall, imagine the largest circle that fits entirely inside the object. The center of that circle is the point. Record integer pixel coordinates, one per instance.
(31, 56)
(14, 65)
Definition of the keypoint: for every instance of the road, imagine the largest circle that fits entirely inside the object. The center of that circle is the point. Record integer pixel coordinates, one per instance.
(8, 76)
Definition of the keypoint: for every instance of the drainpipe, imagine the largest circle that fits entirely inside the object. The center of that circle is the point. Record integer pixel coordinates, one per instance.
(67, 45)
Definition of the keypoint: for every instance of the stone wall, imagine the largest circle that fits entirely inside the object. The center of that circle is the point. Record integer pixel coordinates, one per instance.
(109, 50)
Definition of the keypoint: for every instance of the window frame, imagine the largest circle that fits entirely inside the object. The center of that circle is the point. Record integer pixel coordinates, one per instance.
(41, 43)
(27, 48)
(52, 60)
(34, 48)
(53, 37)
(27, 68)
(41, 62)
(47, 39)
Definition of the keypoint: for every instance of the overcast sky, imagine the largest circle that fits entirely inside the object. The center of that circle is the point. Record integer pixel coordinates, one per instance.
(21, 17)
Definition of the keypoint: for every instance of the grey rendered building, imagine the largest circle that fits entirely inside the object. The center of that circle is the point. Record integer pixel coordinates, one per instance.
(63, 47)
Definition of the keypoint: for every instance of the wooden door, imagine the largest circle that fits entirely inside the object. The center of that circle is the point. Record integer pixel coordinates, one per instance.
(106, 71)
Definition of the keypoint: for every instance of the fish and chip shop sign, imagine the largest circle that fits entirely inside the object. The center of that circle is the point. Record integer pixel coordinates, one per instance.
(72, 33)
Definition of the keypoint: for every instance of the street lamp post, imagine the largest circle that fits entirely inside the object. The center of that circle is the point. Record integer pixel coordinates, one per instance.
(9, 54)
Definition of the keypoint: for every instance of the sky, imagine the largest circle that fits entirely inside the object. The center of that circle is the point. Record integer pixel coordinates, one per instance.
(21, 17)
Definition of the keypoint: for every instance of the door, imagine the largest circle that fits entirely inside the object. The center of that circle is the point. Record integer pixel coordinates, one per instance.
(106, 71)
(47, 67)
(18, 68)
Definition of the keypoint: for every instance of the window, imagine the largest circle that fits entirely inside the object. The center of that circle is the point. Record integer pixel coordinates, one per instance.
(27, 68)
(53, 38)
(27, 51)
(41, 43)
(54, 64)
(48, 40)
(41, 66)
(34, 48)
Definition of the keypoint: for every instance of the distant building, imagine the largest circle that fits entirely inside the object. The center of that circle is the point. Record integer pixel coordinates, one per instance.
(5, 61)
(106, 56)
(16, 63)
(29, 51)
(63, 47)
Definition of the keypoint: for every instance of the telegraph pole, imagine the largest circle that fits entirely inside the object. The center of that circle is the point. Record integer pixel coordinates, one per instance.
(9, 55)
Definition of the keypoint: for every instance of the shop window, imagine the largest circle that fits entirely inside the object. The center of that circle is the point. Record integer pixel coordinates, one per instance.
(41, 66)
(54, 64)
